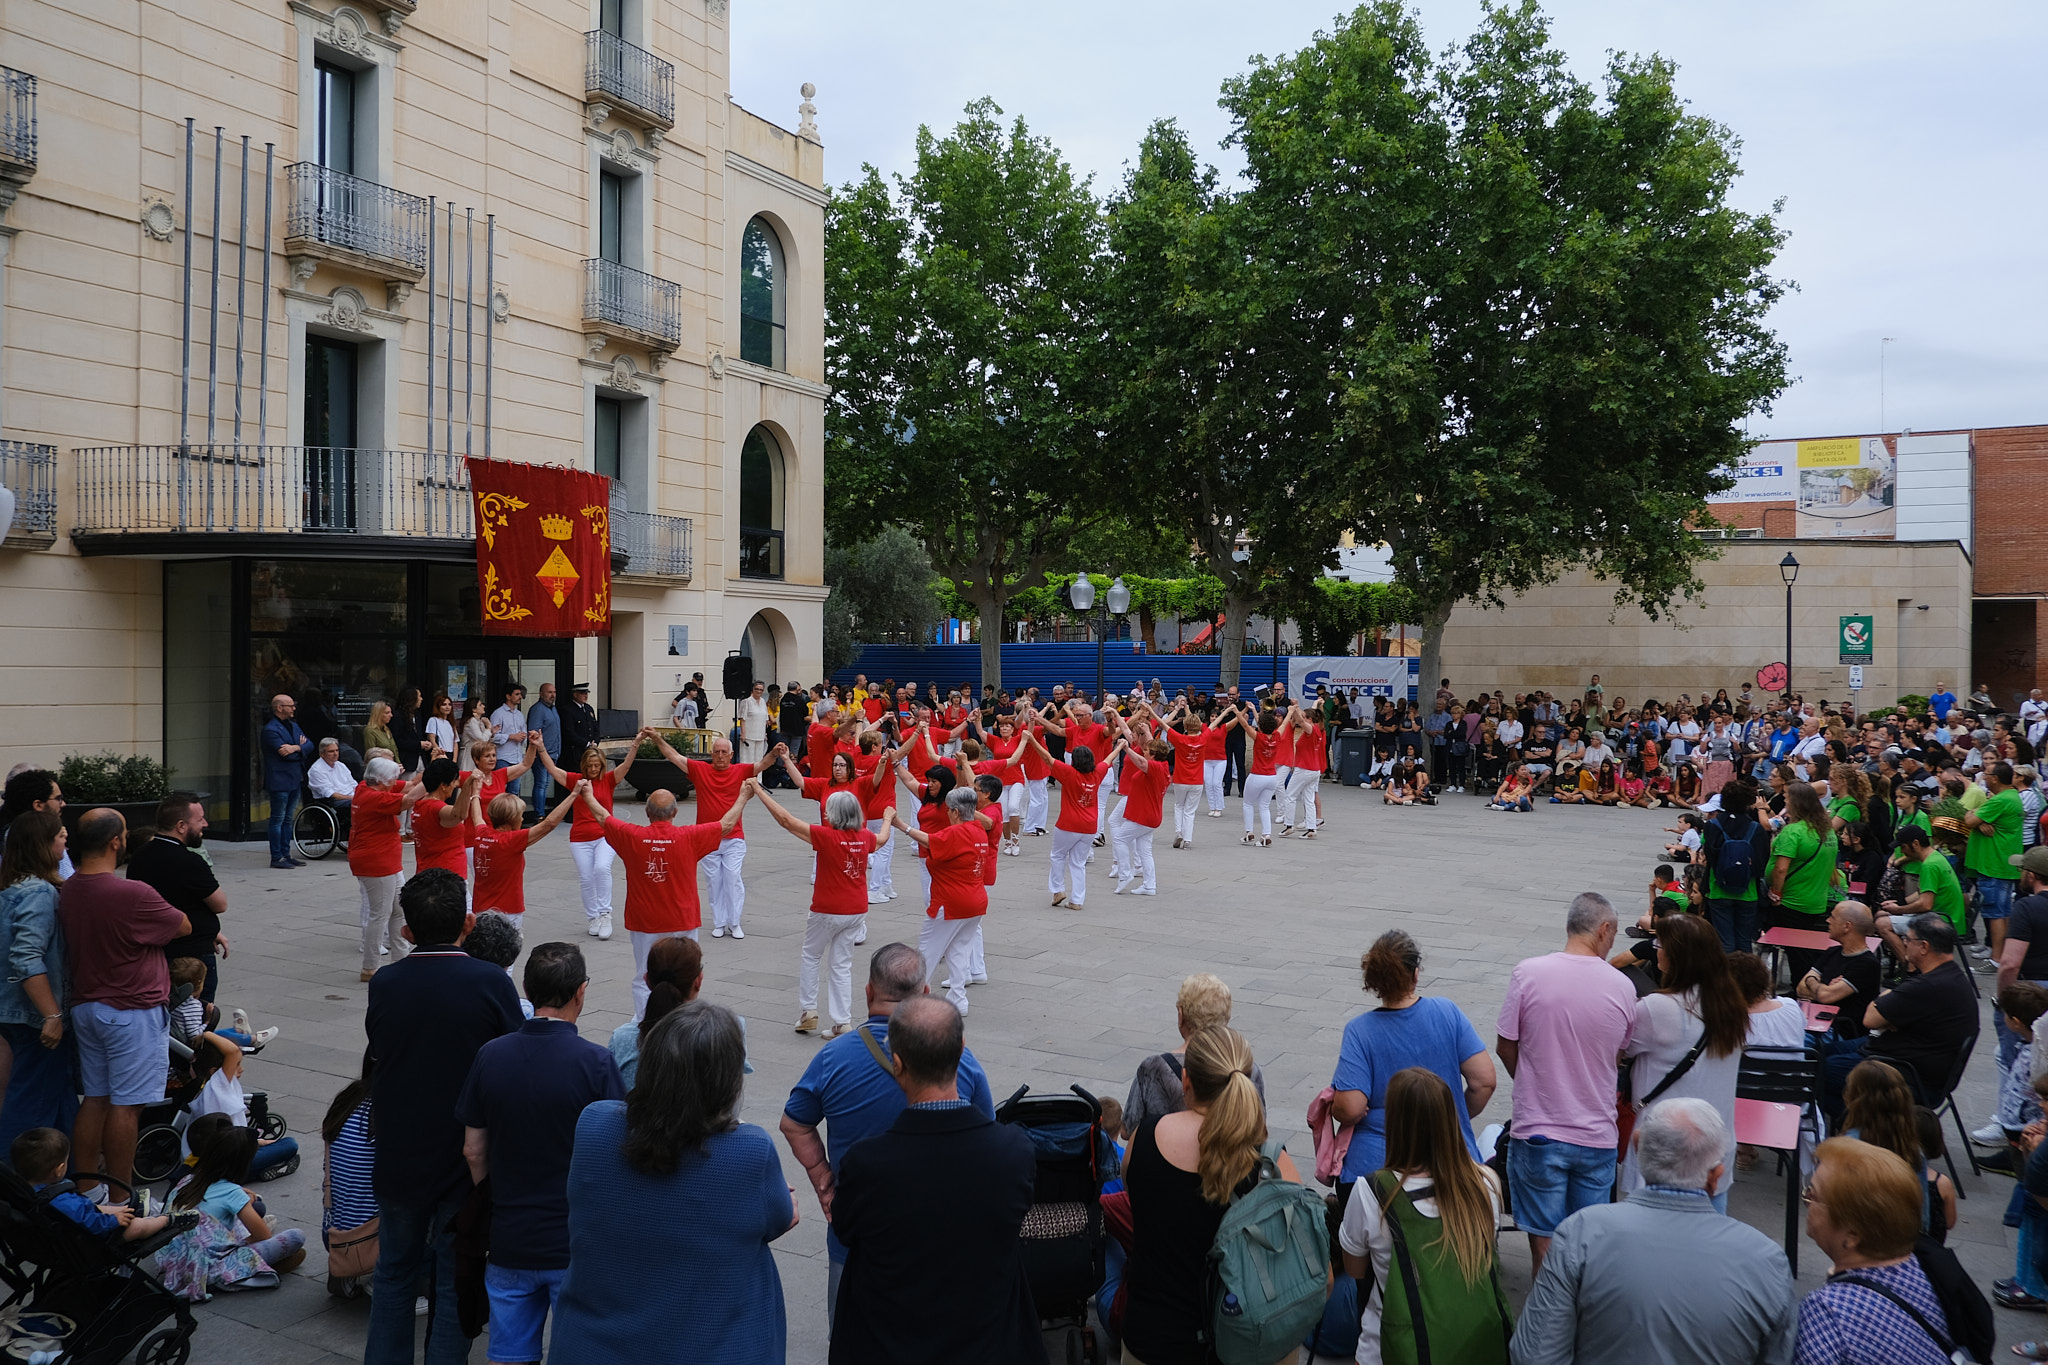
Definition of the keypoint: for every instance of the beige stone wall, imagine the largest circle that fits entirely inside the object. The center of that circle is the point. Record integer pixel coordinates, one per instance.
(482, 104)
(1556, 637)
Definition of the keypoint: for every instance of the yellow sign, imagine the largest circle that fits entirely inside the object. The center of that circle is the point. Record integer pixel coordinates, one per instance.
(1824, 454)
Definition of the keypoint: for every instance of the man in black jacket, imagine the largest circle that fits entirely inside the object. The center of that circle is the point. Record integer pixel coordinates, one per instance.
(930, 1213)
(579, 727)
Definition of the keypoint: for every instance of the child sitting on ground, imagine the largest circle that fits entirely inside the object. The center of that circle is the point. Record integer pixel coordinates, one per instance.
(222, 1152)
(1689, 829)
(1668, 896)
(39, 1156)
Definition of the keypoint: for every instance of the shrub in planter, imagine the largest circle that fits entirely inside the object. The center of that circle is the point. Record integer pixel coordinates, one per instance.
(1915, 704)
(109, 779)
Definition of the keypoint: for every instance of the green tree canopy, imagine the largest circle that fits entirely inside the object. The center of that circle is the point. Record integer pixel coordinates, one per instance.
(882, 592)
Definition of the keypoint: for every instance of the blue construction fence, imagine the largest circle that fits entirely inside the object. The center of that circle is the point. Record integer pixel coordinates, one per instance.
(1042, 665)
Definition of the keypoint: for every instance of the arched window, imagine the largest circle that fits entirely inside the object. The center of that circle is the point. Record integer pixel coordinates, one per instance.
(764, 289)
(760, 506)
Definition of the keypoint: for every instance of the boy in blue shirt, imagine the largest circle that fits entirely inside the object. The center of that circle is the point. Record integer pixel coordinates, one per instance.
(39, 1156)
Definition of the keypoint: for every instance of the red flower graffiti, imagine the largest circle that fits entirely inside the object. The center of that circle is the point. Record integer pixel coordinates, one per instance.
(1771, 677)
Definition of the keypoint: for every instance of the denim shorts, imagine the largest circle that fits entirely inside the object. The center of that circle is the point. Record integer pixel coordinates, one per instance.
(124, 1056)
(1994, 897)
(1550, 1180)
(520, 1303)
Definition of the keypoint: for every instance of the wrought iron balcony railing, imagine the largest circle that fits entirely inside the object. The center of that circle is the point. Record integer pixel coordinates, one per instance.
(17, 124)
(655, 546)
(271, 490)
(633, 302)
(615, 70)
(29, 471)
(331, 213)
(760, 553)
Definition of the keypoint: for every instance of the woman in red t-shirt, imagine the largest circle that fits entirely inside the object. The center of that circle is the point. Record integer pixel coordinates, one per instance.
(959, 898)
(1001, 745)
(1073, 834)
(1262, 784)
(501, 849)
(839, 901)
(592, 855)
(441, 834)
(1138, 820)
(939, 779)
(1299, 790)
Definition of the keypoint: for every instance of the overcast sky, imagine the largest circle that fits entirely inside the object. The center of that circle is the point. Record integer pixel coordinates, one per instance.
(1899, 136)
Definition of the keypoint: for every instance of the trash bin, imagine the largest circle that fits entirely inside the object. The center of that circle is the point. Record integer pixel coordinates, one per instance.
(1354, 756)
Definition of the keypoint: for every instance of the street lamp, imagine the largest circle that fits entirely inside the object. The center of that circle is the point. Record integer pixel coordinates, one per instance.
(1117, 601)
(1788, 569)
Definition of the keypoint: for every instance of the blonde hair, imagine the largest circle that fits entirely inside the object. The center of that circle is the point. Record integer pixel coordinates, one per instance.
(1219, 1077)
(505, 811)
(1203, 1001)
(482, 752)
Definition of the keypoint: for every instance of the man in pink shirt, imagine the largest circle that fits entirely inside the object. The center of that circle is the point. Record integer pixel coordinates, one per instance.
(1562, 1027)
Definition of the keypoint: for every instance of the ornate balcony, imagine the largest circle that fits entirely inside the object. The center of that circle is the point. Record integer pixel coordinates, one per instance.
(622, 76)
(654, 546)
(337, 217)
(17, 127)
(29, 472)
(632, 305)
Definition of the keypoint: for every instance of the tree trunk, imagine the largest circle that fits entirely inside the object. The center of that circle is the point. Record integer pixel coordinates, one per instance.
(1237, 612)
(988, 605)
(1433, 622)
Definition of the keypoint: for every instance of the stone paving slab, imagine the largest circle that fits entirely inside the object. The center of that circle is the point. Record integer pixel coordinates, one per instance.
(1073, 998)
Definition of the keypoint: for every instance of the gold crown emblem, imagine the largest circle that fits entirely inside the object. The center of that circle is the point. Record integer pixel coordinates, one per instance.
(557, 528)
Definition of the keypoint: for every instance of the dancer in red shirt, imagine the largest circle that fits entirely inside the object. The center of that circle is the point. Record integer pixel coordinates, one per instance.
(718, 786)
(592, 855)
(1262, 784)
(1074, 832)
(1083, 731)
(1138, 820)
(501, 849)
(959, 896)
(441, 832)
(839, 902)
(1190, 745)
(374, 856)
(1299, 789)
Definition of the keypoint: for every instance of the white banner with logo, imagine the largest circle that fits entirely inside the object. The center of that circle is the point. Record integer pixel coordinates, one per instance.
(1374, 676)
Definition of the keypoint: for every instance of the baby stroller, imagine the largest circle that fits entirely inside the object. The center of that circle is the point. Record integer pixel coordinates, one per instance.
(85, 1297)
(1062, 1234)
(160, 1143)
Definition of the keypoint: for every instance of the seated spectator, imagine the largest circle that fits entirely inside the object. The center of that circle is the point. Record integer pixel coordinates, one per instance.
(1335, 1339)
(1185, 1168)
(1688, 1034)
(669, 1177)
(1863, 1212)
(1635, 791)
(328, 777)
(1157, 1090)
(1927, 1020)
(1848, 974)
(40, 1155)
(1605, 1292)
(1774, 1021)
(348, 1217)
(1409, 1029)
(900, 1303)
(1691, 832)
(1516, 791)
(203, 1257)
(2021, 1006)
(675, 973)
(1447, 1209)
(1879, 1109)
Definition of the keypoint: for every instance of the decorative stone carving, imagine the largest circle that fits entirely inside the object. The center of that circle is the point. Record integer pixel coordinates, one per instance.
(345, 308)
(393, 21)
(717, 365)
(350, 32)
(625, 375)
(159, 219)
(501, 306)
(715, 8)
(623, 146)
(807, 113)
(303, 268)
(594, 342)
(598, 112)
(654, 139)
(656, 359)
(396, 292)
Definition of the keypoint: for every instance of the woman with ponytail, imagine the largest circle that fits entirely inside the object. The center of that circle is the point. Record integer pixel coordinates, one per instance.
(1183, 1171)
(1446, 1209)
(675, 973)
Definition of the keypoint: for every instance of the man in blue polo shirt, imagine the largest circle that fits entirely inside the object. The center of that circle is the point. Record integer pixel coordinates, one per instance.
(430, 1013)
(519, 1110)
(852, 1090)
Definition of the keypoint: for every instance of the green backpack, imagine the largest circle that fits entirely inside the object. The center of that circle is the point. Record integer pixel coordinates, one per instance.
(1429, 1313)
(1269, 1268)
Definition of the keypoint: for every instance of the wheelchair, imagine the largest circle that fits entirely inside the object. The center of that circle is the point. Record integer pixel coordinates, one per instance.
(319, 828)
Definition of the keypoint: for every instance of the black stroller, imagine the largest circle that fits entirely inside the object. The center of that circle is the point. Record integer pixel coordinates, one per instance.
(89, 1296)
(1063, 1233)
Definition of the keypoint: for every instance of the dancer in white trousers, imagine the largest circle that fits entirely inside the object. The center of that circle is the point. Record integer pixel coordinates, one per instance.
(1189, 775)
(1083, 731)
(661, 860)
(877, 764)
(1299, 790)
(718, 786)
(1262, 783)
(839, 904)
(1003, 743)
(1145, 778)
(1215, 755)
(1074, 834)
(959, 898)
(587, 848)
(374, 855)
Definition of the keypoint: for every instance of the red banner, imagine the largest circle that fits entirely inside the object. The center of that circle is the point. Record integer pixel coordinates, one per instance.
(543, 549)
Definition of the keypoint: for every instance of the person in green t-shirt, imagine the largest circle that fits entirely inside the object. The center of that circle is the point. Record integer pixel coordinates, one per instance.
(1804, 854)
(1940, 889)
(1994, 842)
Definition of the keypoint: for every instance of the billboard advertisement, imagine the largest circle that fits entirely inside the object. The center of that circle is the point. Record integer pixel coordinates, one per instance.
(1847, 487)
(1768, 473)
(1373, 675)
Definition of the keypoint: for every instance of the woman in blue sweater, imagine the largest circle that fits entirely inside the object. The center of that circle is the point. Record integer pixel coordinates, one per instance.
(669, 1178)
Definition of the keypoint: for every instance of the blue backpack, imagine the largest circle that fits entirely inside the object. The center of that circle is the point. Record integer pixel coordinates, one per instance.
(1735, 863)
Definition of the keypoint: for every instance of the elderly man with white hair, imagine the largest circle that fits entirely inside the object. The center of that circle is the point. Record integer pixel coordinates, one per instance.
(1607, 1291)
(328, 777)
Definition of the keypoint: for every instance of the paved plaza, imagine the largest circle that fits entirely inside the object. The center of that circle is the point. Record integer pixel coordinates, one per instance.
(1072, 998)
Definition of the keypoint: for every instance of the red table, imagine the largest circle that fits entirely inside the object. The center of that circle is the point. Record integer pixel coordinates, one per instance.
(1796, 938)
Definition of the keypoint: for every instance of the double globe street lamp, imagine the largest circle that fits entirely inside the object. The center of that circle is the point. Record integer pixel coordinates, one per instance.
(1117, 601)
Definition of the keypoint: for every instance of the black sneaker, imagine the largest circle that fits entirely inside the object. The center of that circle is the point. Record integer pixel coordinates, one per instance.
(1638, 931)
(2008, 1294)
(2006, 1162)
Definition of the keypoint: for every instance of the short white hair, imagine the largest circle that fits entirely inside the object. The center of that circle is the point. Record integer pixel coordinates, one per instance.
(1590, 912)
(329, 740)
(380, 771)
(962, 801)
(1679, 1142)
(843, 811)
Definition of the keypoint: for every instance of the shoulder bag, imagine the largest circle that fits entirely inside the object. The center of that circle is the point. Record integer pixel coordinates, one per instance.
(1625, 1109)
(1955, 1353)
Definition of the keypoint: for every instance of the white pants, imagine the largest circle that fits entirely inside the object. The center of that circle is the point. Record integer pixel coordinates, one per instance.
(1184, 800)
(380, 918)
(829, 939)
(1212, 782)
(1259, 791)
(1036, 803)
(948, 943)
(977, 963)
(722, 880)
(1299, 791)
(1114, 828)
(1105, 795)
(643, 944)
(1134, 851)
(1070, 864)
(593, 859)
(1013, 801)
(879, 881)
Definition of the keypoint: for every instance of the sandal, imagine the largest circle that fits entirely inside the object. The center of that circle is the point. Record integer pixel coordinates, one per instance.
(2031, 1350)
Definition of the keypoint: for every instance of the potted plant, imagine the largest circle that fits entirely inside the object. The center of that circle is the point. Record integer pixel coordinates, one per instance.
(650, 771)
(132, 784)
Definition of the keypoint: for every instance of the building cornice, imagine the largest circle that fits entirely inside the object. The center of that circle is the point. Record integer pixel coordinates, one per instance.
(768, 175)
(775, 590)
(778, 379)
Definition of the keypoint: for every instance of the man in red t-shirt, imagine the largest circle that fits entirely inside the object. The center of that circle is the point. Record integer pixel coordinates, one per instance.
(1083, 731)
(1074, 833)
(959, 897)
(1144, 800)
(718, 786)
(661, 860)
(501, 849)
(374, 857)
(839, 903)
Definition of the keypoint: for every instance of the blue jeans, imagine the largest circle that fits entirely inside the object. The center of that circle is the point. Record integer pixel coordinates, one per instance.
(2033, 1251)
(409, 1238)
(521, 1301)
(283, 806)
(1994, 898)
(1552, 1180)
(542, 785)
(1735, 921)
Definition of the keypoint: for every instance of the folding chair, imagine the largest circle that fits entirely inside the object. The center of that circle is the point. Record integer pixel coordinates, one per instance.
(1774, 1089)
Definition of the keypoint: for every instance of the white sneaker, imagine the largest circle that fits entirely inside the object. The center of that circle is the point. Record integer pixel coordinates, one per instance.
(1990, 1135)
(876, 898)
(264, 1036)
(1146, 891)
(242, 1021)
(860, 938)
(738, 932)
(890, 894)
(591, 927)
(1178, 841)
(383, 950)
(978, 980)
(718, 932)
(1121, 886)
(604, 925)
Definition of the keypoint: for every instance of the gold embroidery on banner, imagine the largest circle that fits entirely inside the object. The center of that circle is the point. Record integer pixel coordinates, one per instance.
(490, 514)
(498, 603)
(557, 574)
(601, 612)
(601, 525)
